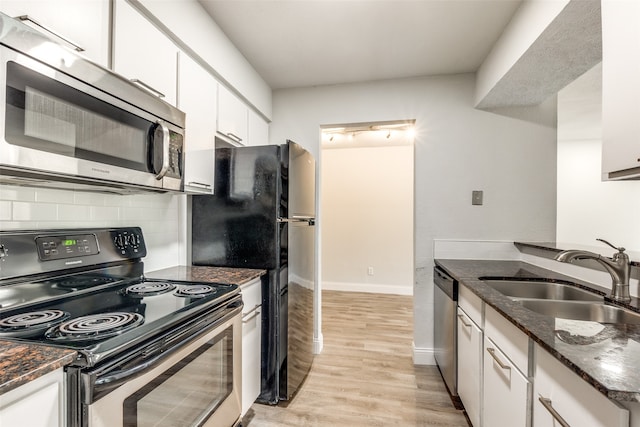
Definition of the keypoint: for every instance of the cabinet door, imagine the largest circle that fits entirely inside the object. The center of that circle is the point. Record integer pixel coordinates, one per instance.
(39, 403)
(197, 98)
(620, 86)
(469, 366)
(72, 23)
(504, 391)
(232, 117)
(258, 130)
(560, 393)
(142, 53)
(251, 342)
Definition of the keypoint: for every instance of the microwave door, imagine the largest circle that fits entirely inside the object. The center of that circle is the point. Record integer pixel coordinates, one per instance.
(56, 125)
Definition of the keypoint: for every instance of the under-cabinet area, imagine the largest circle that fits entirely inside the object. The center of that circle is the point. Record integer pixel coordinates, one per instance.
(519, 366)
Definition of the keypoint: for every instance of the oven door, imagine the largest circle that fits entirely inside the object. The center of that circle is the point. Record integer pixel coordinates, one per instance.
(198, 384)
(54, 124)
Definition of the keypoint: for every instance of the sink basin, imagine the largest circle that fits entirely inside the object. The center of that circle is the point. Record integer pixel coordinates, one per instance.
(589, 311)
(542, 290)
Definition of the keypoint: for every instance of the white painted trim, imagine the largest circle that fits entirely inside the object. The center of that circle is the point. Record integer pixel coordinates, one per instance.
(318, 344)
(368, 287)
(423, 356)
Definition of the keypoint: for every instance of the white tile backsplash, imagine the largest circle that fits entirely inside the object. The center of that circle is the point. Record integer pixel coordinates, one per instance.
(157, 214)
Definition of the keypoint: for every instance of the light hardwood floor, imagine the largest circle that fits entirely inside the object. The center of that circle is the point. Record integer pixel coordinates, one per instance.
(365, 375)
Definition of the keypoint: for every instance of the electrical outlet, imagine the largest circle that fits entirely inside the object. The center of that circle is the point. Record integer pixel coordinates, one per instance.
(370, 271)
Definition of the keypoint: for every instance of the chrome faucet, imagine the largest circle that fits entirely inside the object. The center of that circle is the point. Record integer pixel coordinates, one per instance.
(617, 266)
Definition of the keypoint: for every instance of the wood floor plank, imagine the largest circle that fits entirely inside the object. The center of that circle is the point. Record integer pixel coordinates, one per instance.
(365, 376)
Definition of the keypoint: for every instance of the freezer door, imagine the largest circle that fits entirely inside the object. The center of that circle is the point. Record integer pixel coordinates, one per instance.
(237, 227)
(302, 182)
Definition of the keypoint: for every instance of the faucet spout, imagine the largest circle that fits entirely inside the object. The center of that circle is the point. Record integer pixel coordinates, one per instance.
(618, 267)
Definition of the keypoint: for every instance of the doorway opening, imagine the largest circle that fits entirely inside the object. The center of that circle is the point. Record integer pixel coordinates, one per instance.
(367, 202)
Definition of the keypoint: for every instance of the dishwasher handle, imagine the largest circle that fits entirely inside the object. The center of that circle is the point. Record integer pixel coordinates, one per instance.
(444, 281)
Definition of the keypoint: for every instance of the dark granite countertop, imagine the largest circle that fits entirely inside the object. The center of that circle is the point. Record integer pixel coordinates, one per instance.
(21, 363)
(226, 275)
(606, 356)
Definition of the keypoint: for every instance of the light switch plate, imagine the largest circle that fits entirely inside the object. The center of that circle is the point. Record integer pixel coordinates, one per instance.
(476, 197)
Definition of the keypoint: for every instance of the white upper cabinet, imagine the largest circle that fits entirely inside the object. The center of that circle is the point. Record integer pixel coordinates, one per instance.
(258, 132)
(74, 23)
(197, 93)
(620, 89)
(232, 117)
(144, 54)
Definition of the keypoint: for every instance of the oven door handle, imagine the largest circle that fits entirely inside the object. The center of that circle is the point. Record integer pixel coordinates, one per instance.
(118, 378)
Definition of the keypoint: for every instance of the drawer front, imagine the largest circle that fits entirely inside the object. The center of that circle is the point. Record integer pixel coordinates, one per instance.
(251, 295)
(567, 396)
(471, 304)
(510, 339)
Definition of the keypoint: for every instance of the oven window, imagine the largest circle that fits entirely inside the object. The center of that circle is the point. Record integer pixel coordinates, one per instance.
(47, 115)
(193, 387)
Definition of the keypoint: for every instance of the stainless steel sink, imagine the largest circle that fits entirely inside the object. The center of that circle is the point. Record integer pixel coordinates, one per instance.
(542, 290)
(576, 310)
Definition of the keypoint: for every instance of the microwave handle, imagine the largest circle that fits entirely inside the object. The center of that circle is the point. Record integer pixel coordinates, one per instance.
(163, 139)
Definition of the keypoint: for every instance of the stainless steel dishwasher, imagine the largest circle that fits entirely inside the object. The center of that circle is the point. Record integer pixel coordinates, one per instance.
(445, 301)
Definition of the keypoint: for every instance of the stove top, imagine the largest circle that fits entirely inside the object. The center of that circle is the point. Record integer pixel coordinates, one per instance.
(101, 305)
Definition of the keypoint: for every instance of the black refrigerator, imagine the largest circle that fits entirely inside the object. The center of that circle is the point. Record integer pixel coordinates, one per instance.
(262, 215)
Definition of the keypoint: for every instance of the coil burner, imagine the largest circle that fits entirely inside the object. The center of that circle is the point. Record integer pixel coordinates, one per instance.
(194, 291)
(146, 289)
(31, 323)
(94, 327)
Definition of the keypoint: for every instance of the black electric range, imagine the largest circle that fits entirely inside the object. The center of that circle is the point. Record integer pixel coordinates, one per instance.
(85, 290)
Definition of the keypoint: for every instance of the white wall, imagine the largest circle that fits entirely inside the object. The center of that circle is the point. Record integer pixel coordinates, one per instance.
(367, 200)
(589, 208)
(158, 215)
(457, 149)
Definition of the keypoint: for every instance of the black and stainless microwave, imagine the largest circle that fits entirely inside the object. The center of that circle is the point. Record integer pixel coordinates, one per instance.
(70, 123)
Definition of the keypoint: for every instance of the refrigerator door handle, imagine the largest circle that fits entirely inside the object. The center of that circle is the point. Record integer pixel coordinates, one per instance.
(296, 219)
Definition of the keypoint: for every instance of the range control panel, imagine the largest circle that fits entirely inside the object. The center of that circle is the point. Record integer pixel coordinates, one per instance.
(67, 246)
(128, 242)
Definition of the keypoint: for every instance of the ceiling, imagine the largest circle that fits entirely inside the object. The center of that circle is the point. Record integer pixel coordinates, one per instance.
(299, 43)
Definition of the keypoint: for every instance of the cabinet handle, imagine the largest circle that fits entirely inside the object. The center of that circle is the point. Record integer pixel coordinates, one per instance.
(199, 184)
(546, 402)
(147, 87)
(462, 318)
(234, 136)
(493, 354)
(254, 312)
(76, 46)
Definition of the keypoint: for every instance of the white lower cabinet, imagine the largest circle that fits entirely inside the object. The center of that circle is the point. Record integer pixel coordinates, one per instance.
(251, 342)
(506, 388)
(561, 394)
(39, 403)
(469, 366)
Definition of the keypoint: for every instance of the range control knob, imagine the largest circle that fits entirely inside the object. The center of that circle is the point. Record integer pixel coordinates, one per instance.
(119, 241)
(133, 240)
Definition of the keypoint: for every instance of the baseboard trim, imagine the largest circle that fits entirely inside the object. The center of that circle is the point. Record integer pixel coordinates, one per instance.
(368, 287)
(423, 356)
